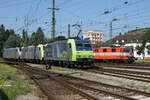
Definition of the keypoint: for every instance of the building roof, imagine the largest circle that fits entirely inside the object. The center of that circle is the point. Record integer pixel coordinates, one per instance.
(128, 38)
(93, 32)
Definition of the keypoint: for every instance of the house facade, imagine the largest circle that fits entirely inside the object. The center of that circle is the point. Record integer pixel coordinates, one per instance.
(146, 54)
(132, 40)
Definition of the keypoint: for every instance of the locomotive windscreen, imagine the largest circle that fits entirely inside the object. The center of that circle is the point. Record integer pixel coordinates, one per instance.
(83, 45)
(126, 50)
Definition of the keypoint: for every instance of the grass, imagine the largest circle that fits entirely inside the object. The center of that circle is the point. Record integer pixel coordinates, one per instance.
(142, 61)
(11, 84)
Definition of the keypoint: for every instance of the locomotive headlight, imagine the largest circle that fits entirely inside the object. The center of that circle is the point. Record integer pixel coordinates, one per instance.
(78, 56)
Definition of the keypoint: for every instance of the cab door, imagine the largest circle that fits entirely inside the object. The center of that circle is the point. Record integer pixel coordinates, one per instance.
(69, 52)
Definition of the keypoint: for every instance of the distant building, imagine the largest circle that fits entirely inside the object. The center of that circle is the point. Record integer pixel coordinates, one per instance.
(95, 37)
(146, 54)
(127, 38)
(132, 40)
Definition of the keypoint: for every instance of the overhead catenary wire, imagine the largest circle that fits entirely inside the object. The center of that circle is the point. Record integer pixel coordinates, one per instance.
(37, 6)
(89, 22)
(108, 21)
(134, 15)
(63, 3)
(116, 8)
(15, 4)
(34, 21)
(6, 2)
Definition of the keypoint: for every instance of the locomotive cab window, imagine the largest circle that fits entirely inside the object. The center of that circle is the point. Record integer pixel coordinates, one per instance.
(83, 45)
(104, 50)
(79, 45)
(126, 50)
(113, 50)
(87, 45)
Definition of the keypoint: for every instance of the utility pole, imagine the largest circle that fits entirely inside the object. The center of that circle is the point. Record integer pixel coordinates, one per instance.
(68, 31)
(26, 23)
(110, 25)
(53, 20)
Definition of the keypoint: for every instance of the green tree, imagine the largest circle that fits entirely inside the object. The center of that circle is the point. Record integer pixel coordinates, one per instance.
(37, 37)
(6, 35)
(13, 41)
(145, 38)
(140, 50)
(32, 40)
(148, 48)
(40, 36)
(25, 39)
(2, 39)
(11, 32)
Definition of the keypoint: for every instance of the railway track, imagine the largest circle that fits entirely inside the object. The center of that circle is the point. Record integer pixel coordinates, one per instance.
(147, 68)
(134, 67)
(146, 65)
(120, 90)
(121, 66)
(139, 64)
(79, 89)
(139, 73)
(132, 75)
(54, 88)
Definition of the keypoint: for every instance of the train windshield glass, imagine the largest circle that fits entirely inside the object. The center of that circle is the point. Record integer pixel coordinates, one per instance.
(83, 45)
(126, 50)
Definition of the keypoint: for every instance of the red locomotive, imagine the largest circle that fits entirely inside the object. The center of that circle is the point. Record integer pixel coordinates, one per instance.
(109, 54)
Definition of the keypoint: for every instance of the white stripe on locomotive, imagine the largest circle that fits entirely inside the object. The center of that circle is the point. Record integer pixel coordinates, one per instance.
(111, 54)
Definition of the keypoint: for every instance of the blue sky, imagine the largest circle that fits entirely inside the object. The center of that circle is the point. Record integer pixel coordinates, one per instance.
(89, 13)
